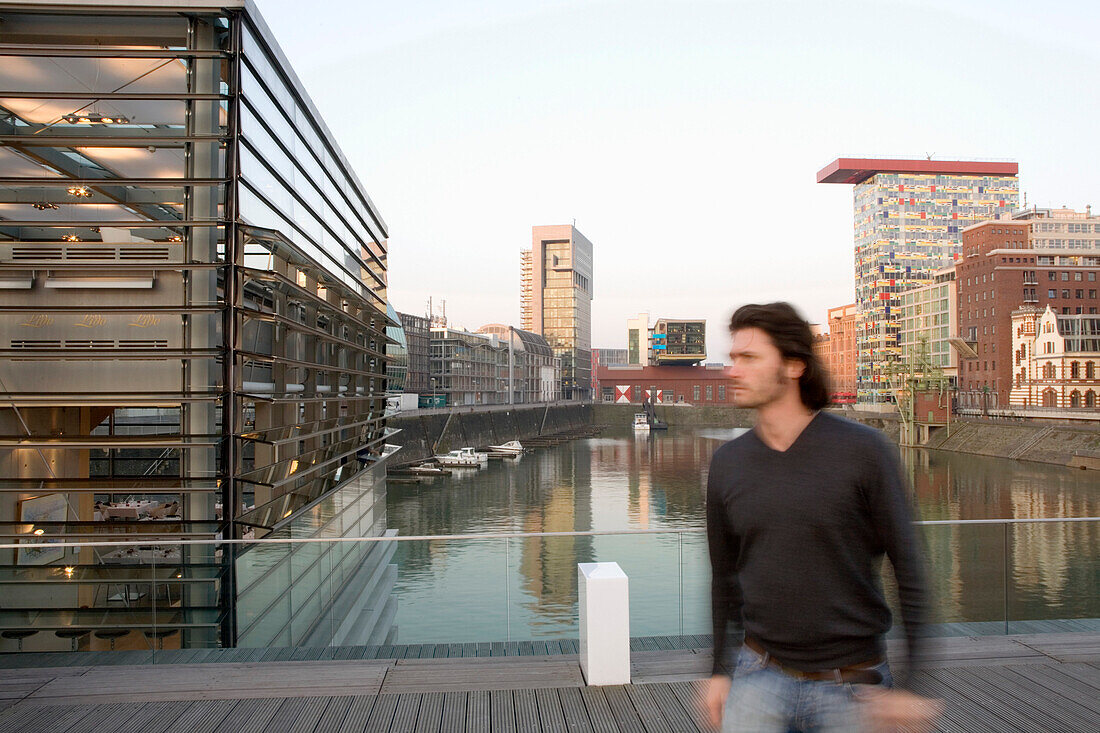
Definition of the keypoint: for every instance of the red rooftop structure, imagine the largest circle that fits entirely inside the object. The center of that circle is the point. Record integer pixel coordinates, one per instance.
(857, 170)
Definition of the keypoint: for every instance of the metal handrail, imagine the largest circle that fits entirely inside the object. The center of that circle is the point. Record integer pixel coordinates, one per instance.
(493, 536)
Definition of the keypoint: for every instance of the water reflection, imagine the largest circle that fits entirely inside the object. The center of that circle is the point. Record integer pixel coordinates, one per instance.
(487, 591)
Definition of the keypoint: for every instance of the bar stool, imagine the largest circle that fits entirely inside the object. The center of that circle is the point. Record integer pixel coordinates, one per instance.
(18, 634)
(157, 636)
(74, 634)
(111, 634)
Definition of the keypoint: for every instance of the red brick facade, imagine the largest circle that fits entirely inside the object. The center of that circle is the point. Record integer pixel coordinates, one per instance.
(693, 385)
(996, 274)
(837, 351)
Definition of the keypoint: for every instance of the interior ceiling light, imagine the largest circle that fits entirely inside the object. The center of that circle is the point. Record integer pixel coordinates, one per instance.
(176, 238)
(43, 206)
(92, 118)
(70, 238)
(79, 191)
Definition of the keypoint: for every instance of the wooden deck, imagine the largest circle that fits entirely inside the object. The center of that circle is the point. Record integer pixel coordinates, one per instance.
(1039, 682)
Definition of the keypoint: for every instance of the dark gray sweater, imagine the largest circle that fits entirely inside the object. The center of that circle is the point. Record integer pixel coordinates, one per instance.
(796, 541)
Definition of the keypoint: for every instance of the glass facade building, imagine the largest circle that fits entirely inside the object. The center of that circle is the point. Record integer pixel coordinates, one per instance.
(192, 333)
(556, 301)
(908, 216)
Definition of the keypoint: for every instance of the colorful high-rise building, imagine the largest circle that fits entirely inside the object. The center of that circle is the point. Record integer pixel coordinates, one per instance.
(908, 215)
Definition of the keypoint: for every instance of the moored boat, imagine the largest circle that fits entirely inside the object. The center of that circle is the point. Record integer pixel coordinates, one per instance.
(512, 446)
(457, 459)
(641, 422)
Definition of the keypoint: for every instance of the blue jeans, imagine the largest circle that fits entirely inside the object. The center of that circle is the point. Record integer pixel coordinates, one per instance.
(763, 699)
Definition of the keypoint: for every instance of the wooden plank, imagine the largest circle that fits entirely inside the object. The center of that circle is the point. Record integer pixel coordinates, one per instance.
(599, 711)
(404, 716)
(308, 714)
(370, 713)
(574, 711)
(478, 716)
(678, 717)
(623, 710)
(527, 710)
(1015, 719)
(250, 716)
(959, 714)
(454, 711)
(1084, 672)
(140, 721)
(431, 713)
(332, 718)
(287, 713)
(1061, 684)
(1026, 692)
(100, 718)
(203, 715)
(647, 709)
(503, 711)
(551, 716)
(690, 696)
(53, 720)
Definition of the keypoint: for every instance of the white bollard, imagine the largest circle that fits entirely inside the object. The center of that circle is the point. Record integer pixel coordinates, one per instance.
(604, 606)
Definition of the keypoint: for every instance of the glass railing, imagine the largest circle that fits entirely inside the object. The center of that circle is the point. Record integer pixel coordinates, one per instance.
(317, 598)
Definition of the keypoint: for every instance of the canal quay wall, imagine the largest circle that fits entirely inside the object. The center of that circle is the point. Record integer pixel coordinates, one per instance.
(425, 433)
(1074, 444)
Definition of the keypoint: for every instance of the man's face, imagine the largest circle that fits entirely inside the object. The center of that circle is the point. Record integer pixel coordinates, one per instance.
(759, 372)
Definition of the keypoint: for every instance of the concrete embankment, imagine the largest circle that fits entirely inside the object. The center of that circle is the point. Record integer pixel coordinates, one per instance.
(1064, 445)
(425, 433)
(709, 416)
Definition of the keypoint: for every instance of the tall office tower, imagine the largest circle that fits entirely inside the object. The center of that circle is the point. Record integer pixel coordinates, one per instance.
(526, 298)
(908, 219)
(557, 301)
(193, 294)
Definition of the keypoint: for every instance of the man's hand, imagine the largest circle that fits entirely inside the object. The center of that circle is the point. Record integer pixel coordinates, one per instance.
(894, 710)
(714, 699)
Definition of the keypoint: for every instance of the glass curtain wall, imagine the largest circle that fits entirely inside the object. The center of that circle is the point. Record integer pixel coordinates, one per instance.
(192, 322)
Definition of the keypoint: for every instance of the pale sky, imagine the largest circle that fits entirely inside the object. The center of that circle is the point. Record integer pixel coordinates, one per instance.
(684, 137)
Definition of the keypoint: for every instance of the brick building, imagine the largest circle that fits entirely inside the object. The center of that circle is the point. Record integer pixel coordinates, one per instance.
(1038, 257)
(836, 347)
(677, 384)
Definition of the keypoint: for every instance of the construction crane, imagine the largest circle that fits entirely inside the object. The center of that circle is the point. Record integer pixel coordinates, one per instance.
(917, 384)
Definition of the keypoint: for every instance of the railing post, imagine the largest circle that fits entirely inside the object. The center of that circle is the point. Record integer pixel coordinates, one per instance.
(507, 593)
(603, 604)
(1004, 526)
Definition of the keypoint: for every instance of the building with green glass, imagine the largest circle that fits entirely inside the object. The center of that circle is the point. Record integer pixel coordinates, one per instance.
(192, 338)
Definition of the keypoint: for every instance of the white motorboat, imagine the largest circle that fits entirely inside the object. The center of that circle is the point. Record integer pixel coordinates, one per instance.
(641, 422)
(457, 459)
(512, 446)
(482, 458)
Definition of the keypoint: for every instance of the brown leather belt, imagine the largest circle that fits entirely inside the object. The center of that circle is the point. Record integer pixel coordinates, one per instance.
(854, 673)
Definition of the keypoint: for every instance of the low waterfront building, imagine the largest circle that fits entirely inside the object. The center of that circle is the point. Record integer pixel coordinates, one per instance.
(695, 385)
(533, 370)
(1036, 257)
(468, 368)
(1055, 359)
(194, 297)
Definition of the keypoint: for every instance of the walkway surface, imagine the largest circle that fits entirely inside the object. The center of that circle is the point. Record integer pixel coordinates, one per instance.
(1036, 682)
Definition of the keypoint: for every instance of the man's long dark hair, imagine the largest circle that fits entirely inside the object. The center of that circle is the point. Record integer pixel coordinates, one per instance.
(792, 336)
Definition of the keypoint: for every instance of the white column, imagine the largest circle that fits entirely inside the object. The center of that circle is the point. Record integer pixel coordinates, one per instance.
(604, 608)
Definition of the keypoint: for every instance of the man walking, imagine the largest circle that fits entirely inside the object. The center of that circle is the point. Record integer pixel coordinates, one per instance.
(800, 511)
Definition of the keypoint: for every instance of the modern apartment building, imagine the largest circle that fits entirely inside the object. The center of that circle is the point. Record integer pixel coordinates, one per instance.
(678, 342)
(192, 318)
(637, 340)
(533, 371)
(1036, 257)
(1055, 359)
(908, 218)
(928, 321)
(556, 301)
